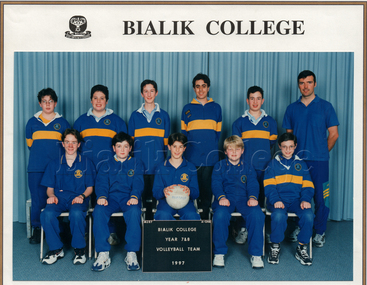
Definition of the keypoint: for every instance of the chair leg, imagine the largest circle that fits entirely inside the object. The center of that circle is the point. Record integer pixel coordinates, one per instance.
(264, 241)
(90, 238)
(41, 245)
(311, 247)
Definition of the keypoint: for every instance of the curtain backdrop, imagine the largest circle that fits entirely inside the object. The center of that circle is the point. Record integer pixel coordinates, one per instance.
(72, 74)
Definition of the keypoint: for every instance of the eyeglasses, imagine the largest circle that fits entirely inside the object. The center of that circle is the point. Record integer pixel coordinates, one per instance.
(47, 102)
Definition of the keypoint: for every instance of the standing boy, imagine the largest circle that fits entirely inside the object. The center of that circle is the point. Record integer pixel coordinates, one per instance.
(310, 118)
(43, 134)
(235, 188)
(149, 126)
(98, 126)
(201, 123)
(119, 186)
(289, 188)
(176, 171)
(259, 133)
(69, 181)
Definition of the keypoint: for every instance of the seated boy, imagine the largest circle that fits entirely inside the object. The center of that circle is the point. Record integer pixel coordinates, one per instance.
(119, 186)
(235, 188)
(176, 170)
(288, 188)
(43, 134)
(69, 181)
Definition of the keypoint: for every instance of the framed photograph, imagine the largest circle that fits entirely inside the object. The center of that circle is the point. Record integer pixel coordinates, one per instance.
(72, 46)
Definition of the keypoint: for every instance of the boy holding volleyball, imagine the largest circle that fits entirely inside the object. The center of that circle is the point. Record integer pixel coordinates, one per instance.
(176, 171)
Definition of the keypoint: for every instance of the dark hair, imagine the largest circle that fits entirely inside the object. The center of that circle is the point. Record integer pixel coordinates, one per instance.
(201, 76)
(146, 82)
(100, 88)
(121, 137)
(177, 137)
(254, 89)
(47, 92)
(73, 132)
(287, 137)
(306, 73)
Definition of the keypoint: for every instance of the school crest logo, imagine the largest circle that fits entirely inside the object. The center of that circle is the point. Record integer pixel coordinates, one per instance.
(107, 122)
(243, 178)
(184, 177)
(130, 173)
(158, 121)
(266, 124)
(78, 173)
(57, 126)
(298, 167)
(78, 26)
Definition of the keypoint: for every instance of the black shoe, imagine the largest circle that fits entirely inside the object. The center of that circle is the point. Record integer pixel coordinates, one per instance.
(302, 255)
(274, 253)
(36, 236)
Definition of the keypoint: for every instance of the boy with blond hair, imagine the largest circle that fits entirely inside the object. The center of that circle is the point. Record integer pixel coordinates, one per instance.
(235, 188)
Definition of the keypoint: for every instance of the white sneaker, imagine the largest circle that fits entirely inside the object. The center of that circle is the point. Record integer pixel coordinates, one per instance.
(52, 256)
(293, 237)
(218, 260)
(103, 261)
(242, 236)
(319, 240)
(132, 261)
(113, 239)
(79, 257)
(257, 262)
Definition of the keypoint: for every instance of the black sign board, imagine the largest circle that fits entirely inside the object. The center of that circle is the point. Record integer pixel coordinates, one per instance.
(177, 246)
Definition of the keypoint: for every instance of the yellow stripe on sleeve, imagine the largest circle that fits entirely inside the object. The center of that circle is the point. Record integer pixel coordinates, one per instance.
(29, 142)
(307, 183)
(270, 181)
(202, 125)
(151, 132)
(219, 127)
(98, 133)
(46, 135)
(256, 135)
(273, 137)
(183, 126)
(165, 141)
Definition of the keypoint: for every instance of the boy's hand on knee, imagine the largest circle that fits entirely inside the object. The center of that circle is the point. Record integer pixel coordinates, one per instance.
(132, 201)
(102, 202)
(185, 189)
(305, 205)
(279, 205)
(77, 200)
(252, 202)
(224, 202)
(52, 200)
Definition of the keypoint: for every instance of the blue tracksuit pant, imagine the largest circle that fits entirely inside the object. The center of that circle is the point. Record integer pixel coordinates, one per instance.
(279, 221)
(254, 218)
(319, 171)
(132, 217)
(166, 212)
(38, 196)
(50, 223)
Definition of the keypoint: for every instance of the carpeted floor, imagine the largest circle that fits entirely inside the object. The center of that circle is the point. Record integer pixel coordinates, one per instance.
(333, 262)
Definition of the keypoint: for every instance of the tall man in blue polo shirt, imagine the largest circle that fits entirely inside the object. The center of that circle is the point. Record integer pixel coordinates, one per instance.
(314, 122)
